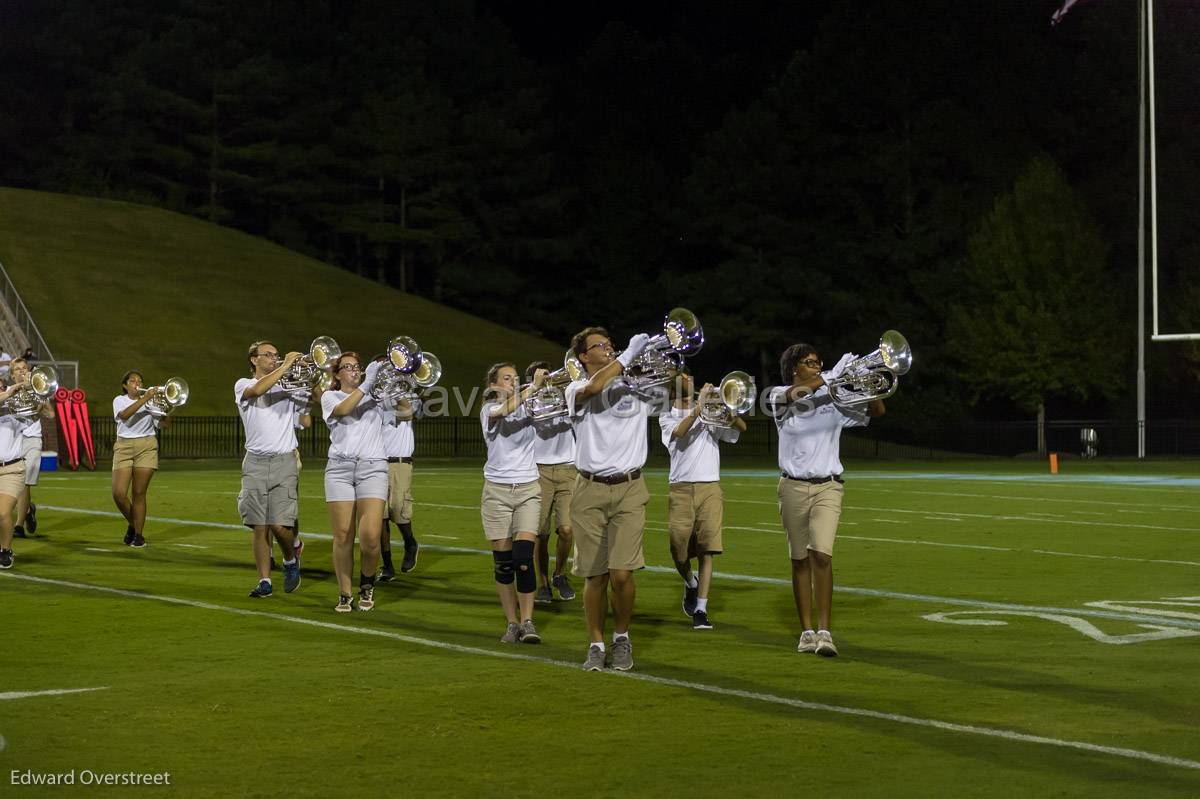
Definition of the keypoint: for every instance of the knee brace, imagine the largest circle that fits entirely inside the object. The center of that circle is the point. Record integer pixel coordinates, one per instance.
(504, 567)
(522, 556)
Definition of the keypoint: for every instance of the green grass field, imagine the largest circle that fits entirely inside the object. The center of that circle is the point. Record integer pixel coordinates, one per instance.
(1071, 670)
(104, 281)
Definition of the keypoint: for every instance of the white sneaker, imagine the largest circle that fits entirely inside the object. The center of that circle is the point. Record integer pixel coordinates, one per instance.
(825, 647)
(808, 642)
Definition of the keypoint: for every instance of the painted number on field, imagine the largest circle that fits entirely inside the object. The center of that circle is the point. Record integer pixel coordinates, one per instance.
(1176, 607)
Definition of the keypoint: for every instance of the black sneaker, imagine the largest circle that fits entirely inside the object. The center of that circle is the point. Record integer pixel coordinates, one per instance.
(6, 558)
(263, 589)
(18, 532)
(139, 542)
(700, 621)
(31, 518)
(689, 599)
(410, 557)
(129, 535)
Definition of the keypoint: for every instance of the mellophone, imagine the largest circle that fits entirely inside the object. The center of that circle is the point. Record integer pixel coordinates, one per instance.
(412, 369)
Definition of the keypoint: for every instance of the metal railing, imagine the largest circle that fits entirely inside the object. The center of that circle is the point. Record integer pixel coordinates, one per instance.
(26, 327)
(460, 437)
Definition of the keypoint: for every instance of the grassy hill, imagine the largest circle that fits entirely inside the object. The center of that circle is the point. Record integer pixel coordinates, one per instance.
(116, 286)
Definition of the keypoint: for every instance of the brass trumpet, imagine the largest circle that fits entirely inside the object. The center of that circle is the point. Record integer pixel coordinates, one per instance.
(172, 395)
(874, 376)
(412, 370)
(734, 396)
(305, 372)
(658, 363)
(550, 401)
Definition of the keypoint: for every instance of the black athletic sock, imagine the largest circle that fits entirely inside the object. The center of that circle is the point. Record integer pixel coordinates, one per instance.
(406, 531)
(364, 581)
(387, 559)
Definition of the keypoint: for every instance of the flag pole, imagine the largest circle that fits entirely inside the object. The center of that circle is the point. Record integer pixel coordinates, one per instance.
(1141, 294)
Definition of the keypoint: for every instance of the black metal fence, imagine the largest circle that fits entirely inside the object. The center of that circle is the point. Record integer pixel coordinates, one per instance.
(450, 437)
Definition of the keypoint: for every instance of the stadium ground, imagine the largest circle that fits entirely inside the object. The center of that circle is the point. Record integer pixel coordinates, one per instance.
(1003, 633)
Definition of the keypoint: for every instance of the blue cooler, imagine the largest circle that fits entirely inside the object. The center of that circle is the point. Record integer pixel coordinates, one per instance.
(49, 461)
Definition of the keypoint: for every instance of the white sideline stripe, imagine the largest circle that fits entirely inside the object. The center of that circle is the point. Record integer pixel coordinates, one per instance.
(189, 546)
(431, 535)
(945, 726)
(328, 537)
(1028, 499)
(52, 692)
(98, 549)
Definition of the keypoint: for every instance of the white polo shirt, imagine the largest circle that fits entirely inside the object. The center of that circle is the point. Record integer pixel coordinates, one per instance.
(34, 428)
(611, 435)
(269, 419)
(510, 442)
(398, 438)
(810, 432)
(140, 425)
(695, 456)
(358, 434)
(11, 440)
(555, 441)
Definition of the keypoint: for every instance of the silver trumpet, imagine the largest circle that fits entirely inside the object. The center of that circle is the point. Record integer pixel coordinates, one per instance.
(874, 376)
(305, 373)
(658, 363)
(734, 396)
(172, 395)
(29, 400)
(550, 401)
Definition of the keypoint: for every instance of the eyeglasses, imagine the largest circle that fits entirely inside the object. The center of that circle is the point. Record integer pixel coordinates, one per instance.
(272, 355)
(353, 367)
(604, 345)
(812, 363)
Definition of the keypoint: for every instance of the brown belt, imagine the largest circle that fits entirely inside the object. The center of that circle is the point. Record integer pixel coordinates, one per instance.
(611, 479)
(400, 460)
(10, 463)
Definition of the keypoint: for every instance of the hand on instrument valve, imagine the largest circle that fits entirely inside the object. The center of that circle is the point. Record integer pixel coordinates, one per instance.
(369, 378)
(839, 367)
(290, 359)
(539, 378)
(634, 349)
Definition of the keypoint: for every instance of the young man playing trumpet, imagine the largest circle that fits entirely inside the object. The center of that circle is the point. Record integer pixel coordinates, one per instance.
(31, 449)
(608, 509)
(696, 504)
(12, 474)
(810, 483)
(554, 454)
(270, 470)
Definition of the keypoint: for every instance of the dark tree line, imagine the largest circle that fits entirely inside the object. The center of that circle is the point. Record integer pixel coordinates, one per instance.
(788, 172)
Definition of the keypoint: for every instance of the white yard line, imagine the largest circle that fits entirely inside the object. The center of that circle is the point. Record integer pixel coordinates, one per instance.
(786, 701)
(51, 692)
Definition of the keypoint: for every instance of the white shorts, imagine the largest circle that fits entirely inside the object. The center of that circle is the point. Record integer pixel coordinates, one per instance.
(31, 450)
(348, 479)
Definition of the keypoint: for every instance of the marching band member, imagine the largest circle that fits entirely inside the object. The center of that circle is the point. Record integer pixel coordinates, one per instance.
(810, 484)
(31, 449)
(510, 505)
(695, 504)
(12, 474)
(355, 475)
(268, 501)
(399, 443)
(608, 509)
(135, 452)
(554, 454)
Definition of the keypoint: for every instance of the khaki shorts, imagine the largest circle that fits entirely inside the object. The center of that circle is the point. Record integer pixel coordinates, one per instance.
(694, 519)
(508, 509)
(12, 479)
(269, 490)
(399, 502)
(557, 481)
(810, 515)
(608, 521)
(135, 453)
(31, 450)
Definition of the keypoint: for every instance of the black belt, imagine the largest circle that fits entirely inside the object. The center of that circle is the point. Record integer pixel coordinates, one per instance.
(14, 460)
(399, 460)
(837, 478)
(611, 479)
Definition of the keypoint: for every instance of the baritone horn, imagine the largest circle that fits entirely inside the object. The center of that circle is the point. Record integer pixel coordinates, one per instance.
(874, 376)
(29, 400)
(734, 396)
(412, 370)
(550, 401)
(172, 395)
(658, 363)
(305, 373)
